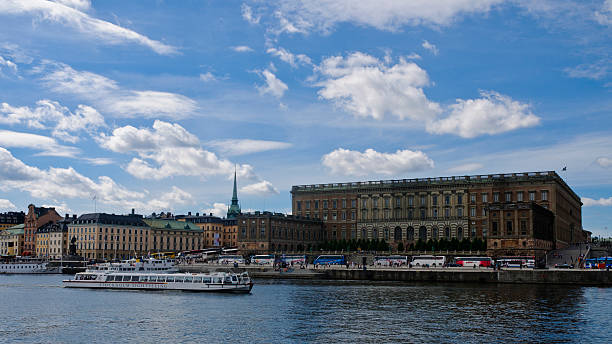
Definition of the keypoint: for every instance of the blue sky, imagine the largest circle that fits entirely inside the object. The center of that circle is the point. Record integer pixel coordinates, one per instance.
(151, 105)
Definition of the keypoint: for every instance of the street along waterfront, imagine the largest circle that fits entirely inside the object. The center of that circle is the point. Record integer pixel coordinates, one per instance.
(306, 311)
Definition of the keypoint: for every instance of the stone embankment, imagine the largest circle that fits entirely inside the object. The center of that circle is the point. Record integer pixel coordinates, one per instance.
(450, 275)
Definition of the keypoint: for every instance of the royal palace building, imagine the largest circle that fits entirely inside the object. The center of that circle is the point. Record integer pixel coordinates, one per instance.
(515, 212)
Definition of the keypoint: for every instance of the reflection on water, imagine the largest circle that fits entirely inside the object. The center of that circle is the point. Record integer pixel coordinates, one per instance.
(35, 309)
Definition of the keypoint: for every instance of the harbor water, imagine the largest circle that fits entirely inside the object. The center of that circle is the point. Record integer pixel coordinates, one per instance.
(36, 309)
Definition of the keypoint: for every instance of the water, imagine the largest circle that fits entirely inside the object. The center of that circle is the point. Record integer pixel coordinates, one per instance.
(35, 309)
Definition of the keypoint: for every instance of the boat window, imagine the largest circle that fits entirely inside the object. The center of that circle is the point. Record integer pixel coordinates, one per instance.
(234, 278)
(170, 279)
(110, 278)
(179, 279)
(217, 280)
(144, 278)
(188, 279)
(197, 280)
(228, 279)
(206, 280)
(135, 278)
(118, 278)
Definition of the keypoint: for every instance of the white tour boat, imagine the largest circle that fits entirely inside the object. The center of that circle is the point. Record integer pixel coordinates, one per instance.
(28, 266)
(211, 282)
(146, 265)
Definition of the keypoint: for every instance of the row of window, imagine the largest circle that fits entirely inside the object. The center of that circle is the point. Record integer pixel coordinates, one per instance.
(326, 203)
(511, 196)
(509, 229)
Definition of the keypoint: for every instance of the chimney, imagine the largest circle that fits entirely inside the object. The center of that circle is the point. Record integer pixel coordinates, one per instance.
(211, 214)
(132, 211)
(197, 214)
(74, 216)
(67, 216)
(189, 213)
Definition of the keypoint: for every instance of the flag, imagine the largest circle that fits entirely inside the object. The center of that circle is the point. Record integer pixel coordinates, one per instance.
(564, 168)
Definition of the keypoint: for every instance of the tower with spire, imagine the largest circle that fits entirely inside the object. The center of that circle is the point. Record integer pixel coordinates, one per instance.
(234, 209)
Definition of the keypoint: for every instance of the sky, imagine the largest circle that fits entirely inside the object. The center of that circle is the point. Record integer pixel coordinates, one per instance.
(112, 105)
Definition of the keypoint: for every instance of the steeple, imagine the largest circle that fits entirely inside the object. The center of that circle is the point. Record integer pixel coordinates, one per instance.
(234, 208)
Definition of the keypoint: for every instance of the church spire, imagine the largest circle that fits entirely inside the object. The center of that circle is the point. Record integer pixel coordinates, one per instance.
(234, 208)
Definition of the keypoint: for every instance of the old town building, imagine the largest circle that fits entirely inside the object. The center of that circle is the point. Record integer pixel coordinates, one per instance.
(458, 207)
(109, 236)
(34, 219)
(11, 218)
(263, 232)
(173, 236)
(52, 239)
(11, 241)
(217, 232)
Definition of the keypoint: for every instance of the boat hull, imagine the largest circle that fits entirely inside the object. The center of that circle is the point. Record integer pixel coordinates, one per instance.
(195, 287)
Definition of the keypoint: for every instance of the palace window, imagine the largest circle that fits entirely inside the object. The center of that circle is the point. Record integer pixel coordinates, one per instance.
(353, 203)
(387, 202)
(334, 204)
(460, 198)
(496, 197)
(353, 215)
(316, 204)
(434, 199)
(411, 200)
(435, 212)
(523, 227)
(375, 202)
(447, 199)
(473, 211)
(508, 227)
(364, 214)
(398, 201)
(485, 198)
(472, 198)
(519, 196)
(423, 200)
(508, 196)
(307, 205)
(494, 229)
(460, 212)
(343, 203)
(446, 212)
(532, 195)
(544, 195)
(324, 204)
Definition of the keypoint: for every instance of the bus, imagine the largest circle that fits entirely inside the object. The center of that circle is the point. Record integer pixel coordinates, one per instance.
(293, 259)
(263, 259)
(516, 262)
(391, 260)
(230, 259)
(160, 255)
(335, 259)
(427, 260)
(598, 263)
(486, 262)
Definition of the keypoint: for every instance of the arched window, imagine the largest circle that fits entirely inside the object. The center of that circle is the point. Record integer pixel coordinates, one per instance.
(434, 233)
(364, 233)
(423, 233)
(410, 234)
(447, 233)
(459, 233)
(374, 233)
(386, 231)
(397, 235)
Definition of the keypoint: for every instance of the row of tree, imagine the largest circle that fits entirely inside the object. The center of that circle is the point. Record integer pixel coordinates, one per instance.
(420, 245)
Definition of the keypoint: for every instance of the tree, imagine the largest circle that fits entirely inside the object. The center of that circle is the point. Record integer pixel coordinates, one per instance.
(400, 247)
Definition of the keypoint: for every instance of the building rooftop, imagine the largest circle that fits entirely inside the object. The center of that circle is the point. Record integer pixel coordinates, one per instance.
(18, 229)
(110, 219)
(172, 225)
(452, 180)
(12, 217)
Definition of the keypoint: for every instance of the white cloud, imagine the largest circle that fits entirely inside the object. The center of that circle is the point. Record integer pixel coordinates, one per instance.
(347, 162)
(247, 146)
(99, 161)
(323, 15)
(604, 16)
(431, 47)
(494, 113)
(66, 183)
(5, 205)
(110, 97)
(247, 14)
(168, 150)
(414, 56)
(262, 188)
(66, 125)
(81, 5)
(242, 49)
(366, 87)
(596, 71)
(273, 86)
(589, 202)
(218, 209)
(469, 167)
(604, 162)
(99, 30)
(207, 77)
(47, 145)
(10, 65)
(289, 57)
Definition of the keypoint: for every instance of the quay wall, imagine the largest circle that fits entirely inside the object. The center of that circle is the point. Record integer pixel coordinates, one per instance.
(581, 277)
(450, 275)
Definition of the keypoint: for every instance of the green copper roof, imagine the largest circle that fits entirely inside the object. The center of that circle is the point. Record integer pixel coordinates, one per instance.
(18, 229)
(172, 225)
